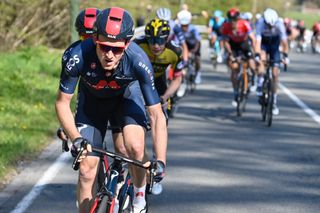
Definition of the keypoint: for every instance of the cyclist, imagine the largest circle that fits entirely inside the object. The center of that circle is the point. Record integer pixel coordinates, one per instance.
(193, 39)
(301, 43)
(175, 32)
(214, 26)
(162, 53)
(114, 74)
(315, 40)
(270, 34)
(238, 38)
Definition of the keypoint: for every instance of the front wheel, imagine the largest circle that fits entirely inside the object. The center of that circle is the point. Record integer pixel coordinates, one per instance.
(105, 206)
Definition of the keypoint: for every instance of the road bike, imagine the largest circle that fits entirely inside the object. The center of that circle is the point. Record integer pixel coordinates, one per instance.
(267, 98)
(243, 84)
(191, 74)
(115, 192)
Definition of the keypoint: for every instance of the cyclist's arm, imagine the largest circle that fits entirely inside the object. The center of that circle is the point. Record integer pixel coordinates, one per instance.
(71, 63)
(284, 38)
(144, 73)
(185, 51)
(159, 131)
(173, 87)
(65, 114)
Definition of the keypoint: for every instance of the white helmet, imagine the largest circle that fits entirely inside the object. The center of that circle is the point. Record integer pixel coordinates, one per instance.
(164, 13)
(270, 16)
(184, 17)
(249, 15)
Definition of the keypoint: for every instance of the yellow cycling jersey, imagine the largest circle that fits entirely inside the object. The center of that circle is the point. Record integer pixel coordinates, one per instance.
(172, 55)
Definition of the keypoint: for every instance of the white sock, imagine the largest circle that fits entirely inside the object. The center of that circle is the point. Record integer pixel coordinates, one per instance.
(275, 98)
(260, 80)
(139, 200)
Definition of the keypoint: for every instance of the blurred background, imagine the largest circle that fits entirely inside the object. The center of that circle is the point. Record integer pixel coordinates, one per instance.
(49, 22)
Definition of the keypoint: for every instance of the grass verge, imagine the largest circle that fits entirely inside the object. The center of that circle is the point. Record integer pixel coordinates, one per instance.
(28, 85)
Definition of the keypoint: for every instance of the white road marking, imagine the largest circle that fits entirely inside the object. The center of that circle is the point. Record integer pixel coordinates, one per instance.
(40, 185)
(302, 105)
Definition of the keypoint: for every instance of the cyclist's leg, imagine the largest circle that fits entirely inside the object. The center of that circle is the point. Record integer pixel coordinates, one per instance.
(91, 119)
(276, 58)
(135, 124)
(234, 66)
(198, 64)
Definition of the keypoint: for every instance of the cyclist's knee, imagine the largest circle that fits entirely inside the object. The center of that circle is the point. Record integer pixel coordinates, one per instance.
(88, 169)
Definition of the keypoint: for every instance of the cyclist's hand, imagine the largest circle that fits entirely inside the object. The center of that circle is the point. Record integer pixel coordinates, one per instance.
(164, 102)
(62, 135)
(160, 171)
(79, 143)
(185, 63)
(286, 59)
(232, 58)
(257, 58)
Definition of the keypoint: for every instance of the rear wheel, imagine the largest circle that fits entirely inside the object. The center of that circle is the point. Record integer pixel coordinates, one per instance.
(240, 95)
(269, 105)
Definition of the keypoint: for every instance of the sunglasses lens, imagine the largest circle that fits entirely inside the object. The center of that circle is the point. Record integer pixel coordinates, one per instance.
(159, 41)
(115, 50)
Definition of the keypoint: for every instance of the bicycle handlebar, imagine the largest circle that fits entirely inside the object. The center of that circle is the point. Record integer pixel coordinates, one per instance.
(149, 165)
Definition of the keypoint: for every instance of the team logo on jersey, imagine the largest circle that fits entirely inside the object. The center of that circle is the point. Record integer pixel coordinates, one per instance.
(93, 65)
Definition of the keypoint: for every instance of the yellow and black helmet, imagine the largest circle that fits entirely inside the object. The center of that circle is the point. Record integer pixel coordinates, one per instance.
(157, 28)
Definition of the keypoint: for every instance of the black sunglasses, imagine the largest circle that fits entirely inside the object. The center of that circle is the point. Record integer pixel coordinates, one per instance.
(107, 48)
(159, 41)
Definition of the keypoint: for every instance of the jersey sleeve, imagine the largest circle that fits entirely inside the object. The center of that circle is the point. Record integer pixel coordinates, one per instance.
(177, 62)
(247, 27)
(145, 75)
(224, 31)
(282, 29)
(196, 34)
(259, 28)
(70, 69)
(178, 33)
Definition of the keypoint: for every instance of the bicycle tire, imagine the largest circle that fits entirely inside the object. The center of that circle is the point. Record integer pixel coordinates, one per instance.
(240, 95)
(105, 206)
(125, 197)
(269, 104)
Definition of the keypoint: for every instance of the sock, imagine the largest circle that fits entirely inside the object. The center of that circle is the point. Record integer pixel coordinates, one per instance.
(139, 200)
(260, 80)
(275, 98)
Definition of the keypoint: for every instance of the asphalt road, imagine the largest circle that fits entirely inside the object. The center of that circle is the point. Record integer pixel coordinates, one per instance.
(217, 162)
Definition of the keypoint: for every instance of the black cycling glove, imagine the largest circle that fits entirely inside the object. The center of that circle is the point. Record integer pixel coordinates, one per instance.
(160, 171)
(76, 146)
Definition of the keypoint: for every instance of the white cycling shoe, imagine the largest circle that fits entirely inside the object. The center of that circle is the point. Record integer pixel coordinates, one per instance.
(275, 110)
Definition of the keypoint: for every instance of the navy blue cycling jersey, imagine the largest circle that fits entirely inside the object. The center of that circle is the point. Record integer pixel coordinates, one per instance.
(81, 61)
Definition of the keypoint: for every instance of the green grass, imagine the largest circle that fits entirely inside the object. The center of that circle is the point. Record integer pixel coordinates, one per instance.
(308, 18)
(29, 81)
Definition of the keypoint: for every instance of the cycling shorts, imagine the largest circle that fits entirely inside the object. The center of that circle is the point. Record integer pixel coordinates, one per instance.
(271, 46)
(241, 48)
(93, 113)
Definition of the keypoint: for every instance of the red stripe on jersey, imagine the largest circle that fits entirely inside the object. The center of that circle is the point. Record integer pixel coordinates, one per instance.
(90, 17)
(114, 22)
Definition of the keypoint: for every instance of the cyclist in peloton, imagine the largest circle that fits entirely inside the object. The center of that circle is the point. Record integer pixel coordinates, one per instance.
(162, 53)
(114, 75)
(238, 38)
(84, 26)
(214, 33)
(315, 40)
(193, 39)
(175, 31)
(270, 34)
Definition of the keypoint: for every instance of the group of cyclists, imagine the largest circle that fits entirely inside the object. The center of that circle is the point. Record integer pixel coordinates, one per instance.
(127, 83)
(256, 42)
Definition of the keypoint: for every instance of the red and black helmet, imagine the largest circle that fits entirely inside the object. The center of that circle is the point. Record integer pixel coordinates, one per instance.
(233, 14)
(85, 21)
(115, 23)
